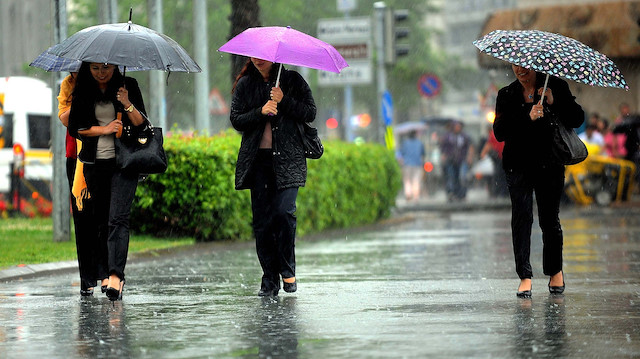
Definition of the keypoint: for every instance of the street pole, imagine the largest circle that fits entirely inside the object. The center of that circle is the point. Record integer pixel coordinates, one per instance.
(201, 57)
(348, 105)
(380, 8)
(60, 187)
(157, 88)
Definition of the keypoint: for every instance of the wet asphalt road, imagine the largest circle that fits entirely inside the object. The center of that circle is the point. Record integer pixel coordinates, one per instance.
(438, 285)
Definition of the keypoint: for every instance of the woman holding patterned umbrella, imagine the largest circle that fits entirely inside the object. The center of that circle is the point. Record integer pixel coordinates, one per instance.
(520, 122)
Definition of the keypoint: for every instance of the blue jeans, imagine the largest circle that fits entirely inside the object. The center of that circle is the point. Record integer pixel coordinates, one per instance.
(455, 174)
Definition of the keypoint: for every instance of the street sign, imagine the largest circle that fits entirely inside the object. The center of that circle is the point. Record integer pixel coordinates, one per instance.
(387, 108)
(429, 85)
(358, 73)
(352, 38)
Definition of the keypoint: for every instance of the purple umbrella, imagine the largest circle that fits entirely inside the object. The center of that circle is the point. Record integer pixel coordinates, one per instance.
(285, 45)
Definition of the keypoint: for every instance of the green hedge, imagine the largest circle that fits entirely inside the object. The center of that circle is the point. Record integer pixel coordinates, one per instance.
(350, 185)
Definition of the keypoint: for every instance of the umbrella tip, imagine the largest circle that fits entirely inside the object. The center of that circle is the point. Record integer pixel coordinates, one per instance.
(289, 26)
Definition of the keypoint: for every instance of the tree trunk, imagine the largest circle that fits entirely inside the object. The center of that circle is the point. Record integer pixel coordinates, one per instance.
(244, 14)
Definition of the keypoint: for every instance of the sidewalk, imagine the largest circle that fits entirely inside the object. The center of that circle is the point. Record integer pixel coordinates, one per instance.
(477, 199)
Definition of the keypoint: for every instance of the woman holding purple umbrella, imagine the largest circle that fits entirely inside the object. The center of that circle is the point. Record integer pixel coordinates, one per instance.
(522, 123)
(271, 162)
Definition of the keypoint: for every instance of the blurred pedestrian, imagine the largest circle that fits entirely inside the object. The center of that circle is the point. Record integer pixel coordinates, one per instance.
(100, 93)
(412, 156)
(456, 157)
(592, 136)
(271, 162)
(492, 149)
(613, 142)
(80, 207)
(522, 123)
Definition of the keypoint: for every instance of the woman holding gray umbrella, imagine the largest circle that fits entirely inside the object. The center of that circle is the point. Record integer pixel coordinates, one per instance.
(101, 92)
(520, 122)
(271, 162)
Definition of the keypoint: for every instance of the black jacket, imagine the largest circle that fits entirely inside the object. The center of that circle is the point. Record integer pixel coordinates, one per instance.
(83, 115)
(528, 143)
(297, 106)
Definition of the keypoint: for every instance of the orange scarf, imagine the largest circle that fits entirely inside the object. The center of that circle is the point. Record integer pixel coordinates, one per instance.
(79, 189)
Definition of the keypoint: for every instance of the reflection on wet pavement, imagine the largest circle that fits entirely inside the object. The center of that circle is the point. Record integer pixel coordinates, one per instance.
(437, 286)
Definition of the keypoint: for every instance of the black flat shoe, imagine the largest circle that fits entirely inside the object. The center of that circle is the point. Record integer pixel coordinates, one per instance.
(556, 289)
(268, 292)
(290, 287)
(86, 292)
(524, 294)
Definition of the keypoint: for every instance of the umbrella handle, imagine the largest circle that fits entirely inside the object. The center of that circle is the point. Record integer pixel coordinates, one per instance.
(544, 89)
(278, 77)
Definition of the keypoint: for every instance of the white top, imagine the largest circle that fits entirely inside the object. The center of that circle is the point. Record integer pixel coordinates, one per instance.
(105, 113)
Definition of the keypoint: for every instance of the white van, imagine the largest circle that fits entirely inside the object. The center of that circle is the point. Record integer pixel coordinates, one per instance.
(25, 124)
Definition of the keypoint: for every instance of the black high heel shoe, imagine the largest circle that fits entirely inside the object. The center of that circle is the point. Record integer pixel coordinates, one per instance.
(556, 289)
(114, 294)
(524, 294)
(290, 287)
(86, 292)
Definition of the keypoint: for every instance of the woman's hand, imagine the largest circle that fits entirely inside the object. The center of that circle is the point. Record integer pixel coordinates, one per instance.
(113, 127)
(548, 95)
(536, 112)
(123, 97)
(270, 108)
(276, 94)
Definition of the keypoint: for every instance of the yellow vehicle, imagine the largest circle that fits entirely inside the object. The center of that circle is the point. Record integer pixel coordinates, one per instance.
(599, 179)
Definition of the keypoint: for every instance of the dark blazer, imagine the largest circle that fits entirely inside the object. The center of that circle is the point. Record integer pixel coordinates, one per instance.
(528, 143)
(82, 116)
(297, 106)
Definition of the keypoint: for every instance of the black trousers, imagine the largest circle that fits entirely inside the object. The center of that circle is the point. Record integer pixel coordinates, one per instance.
(112, 193)
(548, 183)
(274, 223)
(86, 244)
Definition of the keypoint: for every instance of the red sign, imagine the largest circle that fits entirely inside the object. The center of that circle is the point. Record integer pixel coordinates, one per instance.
(429, 85)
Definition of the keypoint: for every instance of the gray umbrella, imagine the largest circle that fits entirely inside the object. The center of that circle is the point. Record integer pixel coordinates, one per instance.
(126, 44)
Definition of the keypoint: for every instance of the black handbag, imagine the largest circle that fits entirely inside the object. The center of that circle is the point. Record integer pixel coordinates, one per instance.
(566, 147)
(310, 141)
(140, 150)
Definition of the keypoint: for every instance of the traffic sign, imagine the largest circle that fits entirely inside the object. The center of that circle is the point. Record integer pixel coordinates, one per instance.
(387, 108)
(429, 85)
(352, 38)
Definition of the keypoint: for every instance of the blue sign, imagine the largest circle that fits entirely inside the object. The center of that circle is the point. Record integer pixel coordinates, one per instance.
(387, 108)
(429, 85)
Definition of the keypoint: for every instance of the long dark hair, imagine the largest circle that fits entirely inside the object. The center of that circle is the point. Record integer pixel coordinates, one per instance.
(87, 88)
(250, 70)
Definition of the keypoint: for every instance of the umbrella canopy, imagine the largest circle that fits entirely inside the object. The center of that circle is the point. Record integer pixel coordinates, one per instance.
(285, 45)
(407, 127)
(54, 63)
(552, 54)
(126, 44)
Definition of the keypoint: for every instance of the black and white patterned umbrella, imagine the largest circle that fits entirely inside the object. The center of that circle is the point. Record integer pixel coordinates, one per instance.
(552, 54)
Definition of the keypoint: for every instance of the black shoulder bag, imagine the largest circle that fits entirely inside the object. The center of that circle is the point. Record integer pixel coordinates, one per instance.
(310, 141)
(566, 147)
(140, 149)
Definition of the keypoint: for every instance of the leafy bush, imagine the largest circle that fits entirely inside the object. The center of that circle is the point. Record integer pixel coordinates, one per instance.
(350, 185)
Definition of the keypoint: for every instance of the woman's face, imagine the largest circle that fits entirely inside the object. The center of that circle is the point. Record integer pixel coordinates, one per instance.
(102, 72)
(523, 74)
(263, 66)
